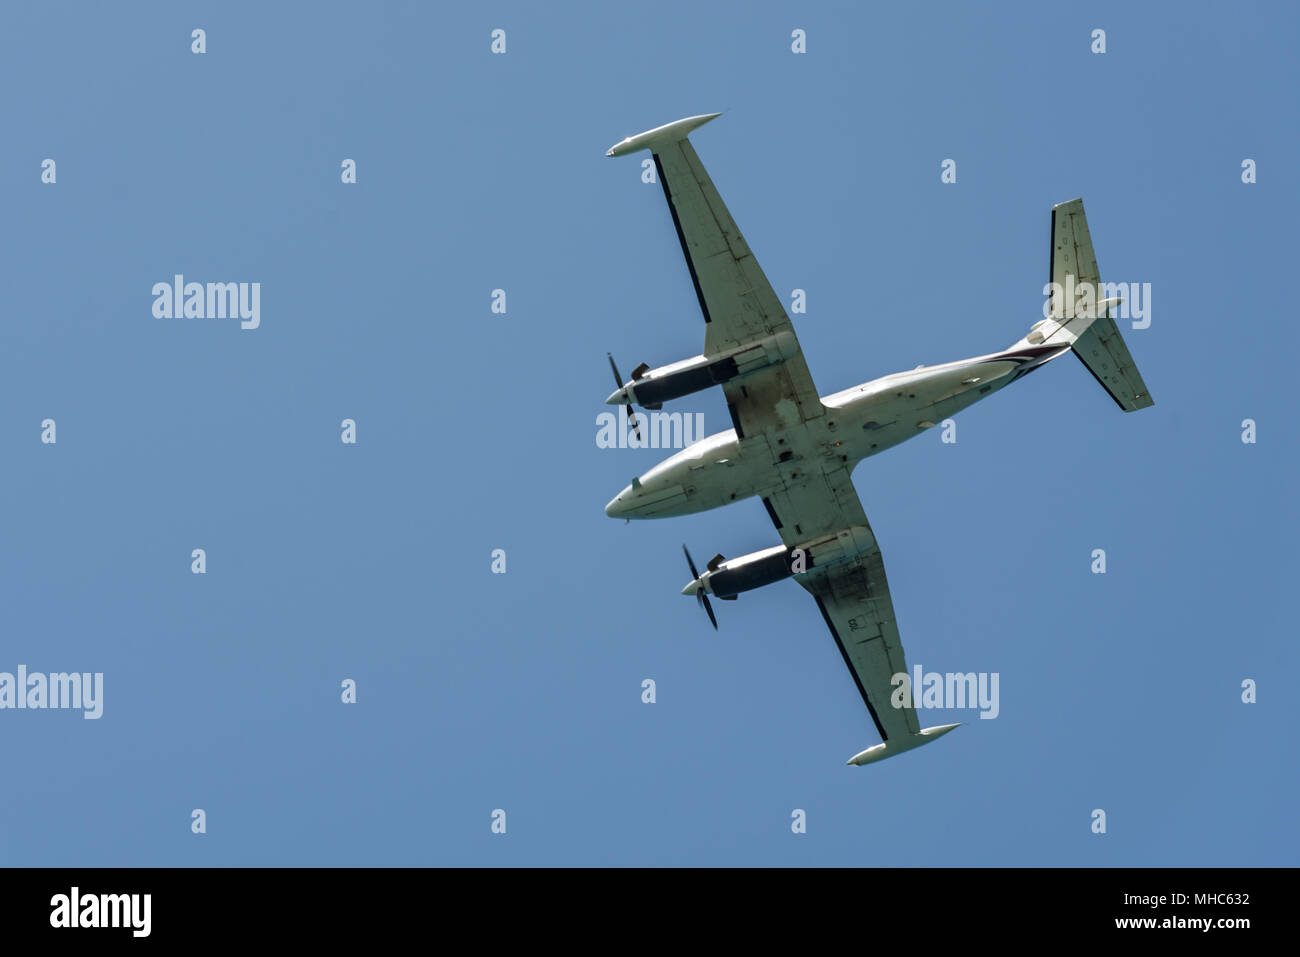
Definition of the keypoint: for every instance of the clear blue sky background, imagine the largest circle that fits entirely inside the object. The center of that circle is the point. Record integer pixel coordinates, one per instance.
(476, 431)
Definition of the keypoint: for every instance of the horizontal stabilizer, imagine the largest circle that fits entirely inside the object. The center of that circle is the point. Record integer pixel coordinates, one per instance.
(1101, 348)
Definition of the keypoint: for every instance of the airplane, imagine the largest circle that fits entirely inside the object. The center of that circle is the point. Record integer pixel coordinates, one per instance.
(796, 449)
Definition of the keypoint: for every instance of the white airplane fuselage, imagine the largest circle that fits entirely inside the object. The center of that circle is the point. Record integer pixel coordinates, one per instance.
(857, 423)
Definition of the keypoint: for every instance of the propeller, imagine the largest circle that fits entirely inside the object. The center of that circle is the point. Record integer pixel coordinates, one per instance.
(702, 598)
(631, 416)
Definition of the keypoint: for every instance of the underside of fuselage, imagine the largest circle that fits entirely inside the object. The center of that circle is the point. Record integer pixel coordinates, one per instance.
(855, 424)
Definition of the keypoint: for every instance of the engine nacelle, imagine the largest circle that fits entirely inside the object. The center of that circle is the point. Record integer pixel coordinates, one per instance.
(650, 389)
(730, 577)
(844, 544)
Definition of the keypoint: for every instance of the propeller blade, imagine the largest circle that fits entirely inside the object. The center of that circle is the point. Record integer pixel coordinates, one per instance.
(704, 600)
(618, 380)
(691, 564)
(700, 598)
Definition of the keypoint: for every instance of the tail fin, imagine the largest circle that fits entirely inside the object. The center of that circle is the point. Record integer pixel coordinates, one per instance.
(1099, 345)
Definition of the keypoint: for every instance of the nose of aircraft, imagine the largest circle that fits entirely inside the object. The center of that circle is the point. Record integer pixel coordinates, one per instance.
(618, 505)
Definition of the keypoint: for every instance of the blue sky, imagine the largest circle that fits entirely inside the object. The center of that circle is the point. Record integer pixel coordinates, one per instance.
(477, 431)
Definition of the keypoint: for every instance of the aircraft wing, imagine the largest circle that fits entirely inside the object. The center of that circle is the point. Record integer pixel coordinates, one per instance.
(738, 303)
(853, 597)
